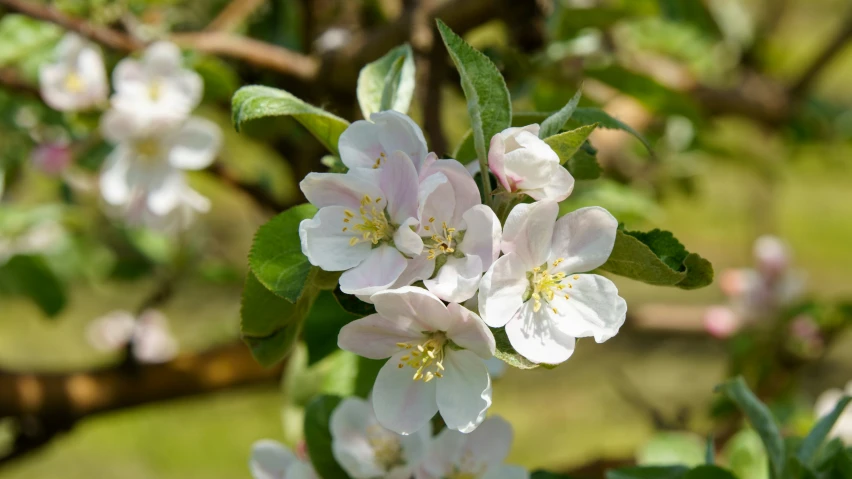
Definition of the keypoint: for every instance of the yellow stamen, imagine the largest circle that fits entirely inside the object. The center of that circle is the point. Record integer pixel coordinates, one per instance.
(426, 358)
(374, 226)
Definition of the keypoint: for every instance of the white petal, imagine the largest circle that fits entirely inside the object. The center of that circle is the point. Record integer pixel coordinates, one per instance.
(379, 270)
(376, 336)
(536, 336)
(113, 181)
(465, 189)
(360, 147)
(584, 238)
(505, 472)
(127, 73)
(501, 290)
(491, 442)
(470, 332)
(301, 470)
(444, 455)
(326, 244)
(270, 460)
(401, 404)
(335, 189)
(406, 240)
(483, 235)
(52, 79)
(528, 231)
(90, 65)
(457, 280)
(350, 443)
(594, 308)
(162, 58)
(437, 204)
(164, 194)
(118, 126)
(528, 169)
(414, 304)
(464, 393)
(419, 268)
(398, 181)
(399, 132)
(195, 145)
(559, 187)
(415, 446)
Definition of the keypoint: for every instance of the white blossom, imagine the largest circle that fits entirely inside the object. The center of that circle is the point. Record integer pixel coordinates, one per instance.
(272, 460)
(365, 224)
(369, 144)
(436, 364)
(77, 79)
(365, 449)
(535, 291)
(825, 404)
(156, 93)
(152, 339)
(478, 455)
(523, 163)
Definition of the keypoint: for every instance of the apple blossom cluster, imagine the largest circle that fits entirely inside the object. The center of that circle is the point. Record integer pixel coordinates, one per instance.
(367, 450)
(411, 235)
(148, 120)
(149, 334)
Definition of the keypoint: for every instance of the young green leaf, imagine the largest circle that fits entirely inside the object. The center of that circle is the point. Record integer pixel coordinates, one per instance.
(761, 420)
(648, 472)
(387, 83)
(318, 437)
(322, 325)
(29, 276)
(709, 472)
(566, 145)
(811, 444)
(554, 123)
(657, 258)
(582, 116)
(271, 325)
(255, 101)
(276, 257)
(488, 101)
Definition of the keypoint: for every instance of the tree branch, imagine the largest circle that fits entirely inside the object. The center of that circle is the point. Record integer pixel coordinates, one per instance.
(810, 74)
(233, 15)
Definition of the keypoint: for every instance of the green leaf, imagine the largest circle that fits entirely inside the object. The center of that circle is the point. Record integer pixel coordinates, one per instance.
(648, 472)
(709, 472)
(554, 123)
(323, 324)
(465, 151)
(276, 254)
(657, 258)
(761, 420)
(22, 36)
(352, 304)
(815, 438)
(710, 451)
(669, 448)
(271, 325)
(542, 474)
(582, 116)
(318, 437)
(488, 103)
(255, 101)
(582, 167)
(387, 83)
(746, 456)
(29, 275)
(506, 353)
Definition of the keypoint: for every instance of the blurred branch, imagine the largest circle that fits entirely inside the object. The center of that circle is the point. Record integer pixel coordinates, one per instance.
(801, 86)
(234, 14)
(11, 80)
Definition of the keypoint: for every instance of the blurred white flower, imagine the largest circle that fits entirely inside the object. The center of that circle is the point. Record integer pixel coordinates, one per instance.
(524, 163)
(437, 355)
(534, 291)
(365, 449)
(332, 39)
(826, 403)
(155, 93)
(272, 460)
(152, 339)
(478, 455)
(77, 80)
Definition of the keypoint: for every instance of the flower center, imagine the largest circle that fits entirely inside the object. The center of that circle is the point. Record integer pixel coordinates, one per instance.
(155, 90)
(147, 149)
(442, 243)
(382, 157)
(386, 448)
(427, 358)
(374, 225)
(74, 82)
(545, 285)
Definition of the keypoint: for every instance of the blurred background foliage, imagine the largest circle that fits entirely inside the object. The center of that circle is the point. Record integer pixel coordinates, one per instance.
(747, 106)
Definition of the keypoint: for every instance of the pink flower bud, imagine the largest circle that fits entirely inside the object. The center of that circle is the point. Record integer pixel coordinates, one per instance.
(51, 159)
(721, 322)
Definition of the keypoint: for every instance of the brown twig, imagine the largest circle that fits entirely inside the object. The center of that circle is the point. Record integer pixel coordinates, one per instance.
(810, 74)
(233, 15)
(11, 80)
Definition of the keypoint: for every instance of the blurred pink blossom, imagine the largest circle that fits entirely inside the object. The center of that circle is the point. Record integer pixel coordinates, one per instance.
(721, 322)
(51, 158)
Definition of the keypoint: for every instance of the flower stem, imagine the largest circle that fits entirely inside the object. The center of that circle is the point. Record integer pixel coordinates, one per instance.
(485, 176)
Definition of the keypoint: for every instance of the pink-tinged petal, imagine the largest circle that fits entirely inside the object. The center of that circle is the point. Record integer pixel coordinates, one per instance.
(335, 189)
(465, 189)
(360, 147)
(528, 231)
(406, 240)
(376, 336)
(114, 185)
(559, 187)
(270, 460)
(496, 161)
(721, 322)
(402, 404)
(326, 244)
(584, 239)
(195, 145)
(379, 270)
(483, 235)
(491, 442)
(397, 131)
(457, 280)
(437, 202)
(414, 304)
(464, 393)
(350, 444)
(528, 139)
(398, 181)
(431, 158)
(470, 332)
(592, 308)
(536, 336)
(502, 289)
(505, 472)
